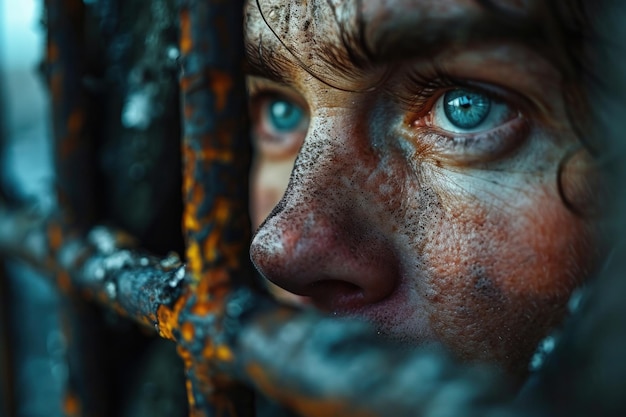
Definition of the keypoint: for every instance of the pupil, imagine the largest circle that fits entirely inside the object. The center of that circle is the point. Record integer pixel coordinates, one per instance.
(284, 115)
(466, 109)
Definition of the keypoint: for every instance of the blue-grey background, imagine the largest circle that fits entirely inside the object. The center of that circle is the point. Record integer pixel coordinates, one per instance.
(37, 344)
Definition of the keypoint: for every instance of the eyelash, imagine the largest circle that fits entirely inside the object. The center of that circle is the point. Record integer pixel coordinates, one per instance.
(420, 88)
(270, 143)
(419, 91)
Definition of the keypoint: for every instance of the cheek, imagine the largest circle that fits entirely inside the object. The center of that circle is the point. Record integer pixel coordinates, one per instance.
(268, 182)
(498, 278)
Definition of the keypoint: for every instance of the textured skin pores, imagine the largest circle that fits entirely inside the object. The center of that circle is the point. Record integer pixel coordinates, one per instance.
(478, 256)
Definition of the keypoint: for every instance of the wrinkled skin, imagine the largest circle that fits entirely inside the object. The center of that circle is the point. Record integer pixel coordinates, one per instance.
(434, 235)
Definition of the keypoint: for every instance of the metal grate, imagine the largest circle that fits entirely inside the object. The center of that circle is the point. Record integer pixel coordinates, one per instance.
(239, 347)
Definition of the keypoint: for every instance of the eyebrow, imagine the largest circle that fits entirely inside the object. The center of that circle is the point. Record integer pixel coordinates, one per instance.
(258, 62)
(415, 39)
(412, 38)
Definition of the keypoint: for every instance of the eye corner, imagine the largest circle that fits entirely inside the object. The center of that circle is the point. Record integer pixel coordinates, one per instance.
(280, 121)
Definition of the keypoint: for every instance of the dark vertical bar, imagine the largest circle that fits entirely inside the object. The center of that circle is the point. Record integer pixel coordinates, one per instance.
(75, 186)
(73, 149)
(216, 158)
(6, 371)
(216, 147)
(5, 362)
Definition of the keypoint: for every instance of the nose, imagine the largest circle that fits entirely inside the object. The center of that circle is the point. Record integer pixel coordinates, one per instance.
(322, 240)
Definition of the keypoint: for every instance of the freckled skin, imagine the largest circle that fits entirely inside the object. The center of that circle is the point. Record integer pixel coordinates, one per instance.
(477, 256)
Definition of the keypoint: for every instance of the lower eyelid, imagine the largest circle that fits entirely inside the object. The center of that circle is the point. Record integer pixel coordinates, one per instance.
(475, 148)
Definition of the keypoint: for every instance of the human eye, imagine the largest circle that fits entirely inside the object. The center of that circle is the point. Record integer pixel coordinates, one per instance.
(279, 121)
(463, 111)
(468, 125)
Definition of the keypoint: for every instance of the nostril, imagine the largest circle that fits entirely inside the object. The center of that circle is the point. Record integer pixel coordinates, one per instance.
(334, 295)
(340, 266)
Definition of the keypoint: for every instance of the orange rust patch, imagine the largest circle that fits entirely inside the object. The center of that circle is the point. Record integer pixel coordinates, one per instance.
(194, 259)
(167, 318)
(209, 351)
(75, 122)
(221, 210)
(188, 181)
(71, 405)
(212, 280)
(305, 406)
(190, 222)
(224, 354)
(117, 307)
(187, 108)
(55, 236)
(202, 308)
(74, 7)
(210, 246)
(185, 32)
(68, 145)
(63, 281)
(190, 398)
(197, 195)
(216, 155)
(56, 85)
(186, 84)
(53, 51)
(221, 83)
(221, 353)
(187, 331)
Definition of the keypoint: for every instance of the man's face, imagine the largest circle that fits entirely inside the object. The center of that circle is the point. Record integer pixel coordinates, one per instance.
(424, 197)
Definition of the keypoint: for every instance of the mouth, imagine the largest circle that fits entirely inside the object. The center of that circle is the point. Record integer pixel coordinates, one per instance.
(398, 317)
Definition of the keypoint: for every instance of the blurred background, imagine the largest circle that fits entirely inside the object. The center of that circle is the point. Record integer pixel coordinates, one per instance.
(33, 369)
(130, 373)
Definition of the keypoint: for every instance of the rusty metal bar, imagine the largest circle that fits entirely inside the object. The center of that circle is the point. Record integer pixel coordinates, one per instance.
(216, 159)
(6, 368)
(216, 146)
(73, 156)
(318, 366)
(6, 394)
(73, 148)
(224, 333)
(103, 266)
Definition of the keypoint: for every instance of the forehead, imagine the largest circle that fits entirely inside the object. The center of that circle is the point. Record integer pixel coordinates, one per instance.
(326, 34)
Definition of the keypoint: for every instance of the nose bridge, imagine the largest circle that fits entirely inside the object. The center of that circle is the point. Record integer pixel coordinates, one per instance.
(320, 241)
(324, 173)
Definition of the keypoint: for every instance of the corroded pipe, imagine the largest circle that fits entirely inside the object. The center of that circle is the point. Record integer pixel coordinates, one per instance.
(75, 191)
(216, 158)
(318, 366)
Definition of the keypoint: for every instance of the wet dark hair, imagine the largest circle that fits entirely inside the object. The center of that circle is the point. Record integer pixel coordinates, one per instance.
(569, 35)
(565, 32)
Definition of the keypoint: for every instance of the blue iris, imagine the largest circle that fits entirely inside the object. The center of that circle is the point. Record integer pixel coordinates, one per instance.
(284, 115)
(466, 109)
